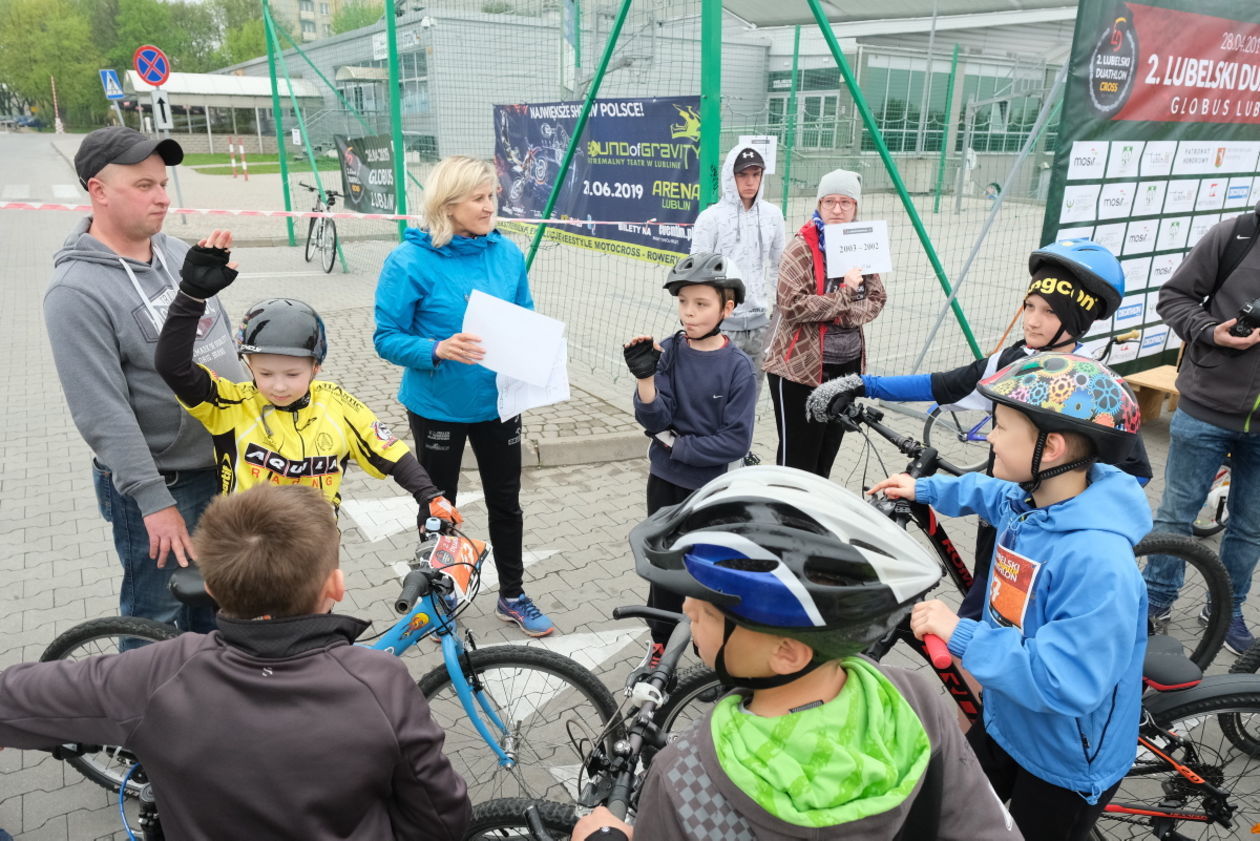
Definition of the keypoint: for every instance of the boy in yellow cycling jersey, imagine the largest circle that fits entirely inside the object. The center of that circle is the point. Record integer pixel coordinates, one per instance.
(285, 427)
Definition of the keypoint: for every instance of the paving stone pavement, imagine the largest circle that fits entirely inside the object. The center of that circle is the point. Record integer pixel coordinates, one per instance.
(59, 565)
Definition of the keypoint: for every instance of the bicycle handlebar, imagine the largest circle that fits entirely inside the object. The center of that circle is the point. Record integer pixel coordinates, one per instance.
(415, 586)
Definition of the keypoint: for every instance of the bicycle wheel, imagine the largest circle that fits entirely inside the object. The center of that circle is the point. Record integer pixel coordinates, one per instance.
(505, 818)
(1200, 615)
(693, 696)
(1214, 514)
(553, 709)
(1206, 748)
(311, 244)
(961, 437)
(328, 245)
(1244, 737)
(107, 766)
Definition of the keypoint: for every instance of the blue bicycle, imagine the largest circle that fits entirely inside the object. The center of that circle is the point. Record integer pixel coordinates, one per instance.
(538, 712)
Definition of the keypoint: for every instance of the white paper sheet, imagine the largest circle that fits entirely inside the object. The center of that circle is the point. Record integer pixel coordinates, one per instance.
(860, 244)
(518, 342)
(517, 396)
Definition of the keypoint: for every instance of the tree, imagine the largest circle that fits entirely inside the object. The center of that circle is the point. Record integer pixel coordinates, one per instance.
(41, 39)
(244, 42)
(357, 14)
(187, 32)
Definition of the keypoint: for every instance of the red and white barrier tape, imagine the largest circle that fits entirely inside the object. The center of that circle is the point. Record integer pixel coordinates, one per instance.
(311, 214)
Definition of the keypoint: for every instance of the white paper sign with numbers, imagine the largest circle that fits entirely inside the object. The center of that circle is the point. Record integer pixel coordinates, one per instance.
(863, 245)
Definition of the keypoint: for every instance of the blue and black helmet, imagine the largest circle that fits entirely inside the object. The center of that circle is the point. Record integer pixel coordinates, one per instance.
(1096, 268)
(786, 552)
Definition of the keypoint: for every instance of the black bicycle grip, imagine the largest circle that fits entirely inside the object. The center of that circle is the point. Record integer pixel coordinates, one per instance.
(415, 587)
(638, 611)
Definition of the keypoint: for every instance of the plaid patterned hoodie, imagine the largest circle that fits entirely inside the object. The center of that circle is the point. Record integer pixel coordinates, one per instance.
(806, 310)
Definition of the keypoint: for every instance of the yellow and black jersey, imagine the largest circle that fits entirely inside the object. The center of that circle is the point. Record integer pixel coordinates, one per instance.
(255, 442)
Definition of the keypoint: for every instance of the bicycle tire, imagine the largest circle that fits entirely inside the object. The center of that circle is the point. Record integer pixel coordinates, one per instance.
(946, 431)
(108, 766)
(695, 691)
(531, 686)
(310, 240)
(1211, 753)
(1247, 663)
(1209, 588)
(1214, 514)
(328, 245)
(505, 818)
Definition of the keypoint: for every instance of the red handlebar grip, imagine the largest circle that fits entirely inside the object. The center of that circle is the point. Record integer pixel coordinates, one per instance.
(937, 651)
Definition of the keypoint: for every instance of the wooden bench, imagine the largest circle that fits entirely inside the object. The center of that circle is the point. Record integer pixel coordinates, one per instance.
(1152, 387)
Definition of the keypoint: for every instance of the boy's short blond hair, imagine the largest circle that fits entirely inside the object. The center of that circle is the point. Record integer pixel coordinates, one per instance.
(452, 180)
(268, 551)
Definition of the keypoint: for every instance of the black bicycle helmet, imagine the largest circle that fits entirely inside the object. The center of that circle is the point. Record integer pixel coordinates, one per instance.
(1064, 392)
(1097, 268)
(283, 326)
(786, 552)
(708, 269)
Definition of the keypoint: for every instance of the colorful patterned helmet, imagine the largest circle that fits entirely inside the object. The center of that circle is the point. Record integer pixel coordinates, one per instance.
(1096, 268)
(787, 552)
(1063, 392)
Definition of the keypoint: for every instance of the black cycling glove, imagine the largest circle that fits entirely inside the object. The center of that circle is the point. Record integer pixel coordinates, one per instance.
(205, 272)
(641, 359)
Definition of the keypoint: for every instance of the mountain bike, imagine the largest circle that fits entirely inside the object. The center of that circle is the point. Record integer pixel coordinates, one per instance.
(525, 704)
(1195, 766)
(960, 435)
(321, 235)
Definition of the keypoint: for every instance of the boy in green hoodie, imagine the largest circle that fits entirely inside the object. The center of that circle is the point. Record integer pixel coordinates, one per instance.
(786, 578)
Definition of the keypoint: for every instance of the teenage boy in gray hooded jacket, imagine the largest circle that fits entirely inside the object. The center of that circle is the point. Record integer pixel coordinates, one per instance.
(747, 230)
(113, 280)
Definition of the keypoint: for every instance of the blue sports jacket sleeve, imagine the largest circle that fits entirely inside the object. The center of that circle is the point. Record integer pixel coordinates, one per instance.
(398, 297)
(971, 493)
(905, 389)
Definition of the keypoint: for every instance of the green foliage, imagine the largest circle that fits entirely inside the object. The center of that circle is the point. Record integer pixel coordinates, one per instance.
(243, 42)
(356, 15)
(43, 39)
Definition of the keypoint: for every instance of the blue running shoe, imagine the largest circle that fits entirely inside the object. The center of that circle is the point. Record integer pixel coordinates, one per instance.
(1238, 639)
(524, 613)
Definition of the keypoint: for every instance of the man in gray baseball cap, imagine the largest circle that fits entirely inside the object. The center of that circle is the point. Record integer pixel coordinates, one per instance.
(113, 279)
(121, 145)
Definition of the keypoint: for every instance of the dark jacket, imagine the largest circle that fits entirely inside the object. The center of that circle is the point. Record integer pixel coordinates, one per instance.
(1220, 386)
(708, 398)
(264, 729)
(687, 796)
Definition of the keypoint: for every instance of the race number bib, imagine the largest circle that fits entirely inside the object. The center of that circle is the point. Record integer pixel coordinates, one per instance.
(1011, 585)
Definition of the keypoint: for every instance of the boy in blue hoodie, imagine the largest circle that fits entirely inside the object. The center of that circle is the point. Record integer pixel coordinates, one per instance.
(695, 395)
(1059, 646)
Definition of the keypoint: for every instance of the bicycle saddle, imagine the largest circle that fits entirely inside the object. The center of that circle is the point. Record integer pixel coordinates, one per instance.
(188, 587)
(1167, 667)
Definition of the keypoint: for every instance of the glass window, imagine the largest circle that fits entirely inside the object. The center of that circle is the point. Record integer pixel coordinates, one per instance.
(307, 6)
(818, 128)
(308, 27)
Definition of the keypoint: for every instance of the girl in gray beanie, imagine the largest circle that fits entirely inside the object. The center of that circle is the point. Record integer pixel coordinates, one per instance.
(819, 331)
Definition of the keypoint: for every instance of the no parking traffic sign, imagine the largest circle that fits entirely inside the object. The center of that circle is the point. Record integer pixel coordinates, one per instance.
(152, 65)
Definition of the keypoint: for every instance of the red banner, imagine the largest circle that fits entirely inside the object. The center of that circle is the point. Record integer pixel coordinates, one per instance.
(1165, 65)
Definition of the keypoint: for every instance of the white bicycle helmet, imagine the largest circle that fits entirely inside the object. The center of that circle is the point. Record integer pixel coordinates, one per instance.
(786, 552)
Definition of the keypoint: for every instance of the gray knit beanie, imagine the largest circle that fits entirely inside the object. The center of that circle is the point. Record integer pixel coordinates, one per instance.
(841, 182)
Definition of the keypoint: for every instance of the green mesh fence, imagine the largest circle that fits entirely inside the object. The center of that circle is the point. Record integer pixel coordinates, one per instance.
(954, 127)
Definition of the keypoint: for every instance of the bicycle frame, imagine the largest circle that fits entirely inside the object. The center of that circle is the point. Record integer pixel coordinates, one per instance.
(429, 617)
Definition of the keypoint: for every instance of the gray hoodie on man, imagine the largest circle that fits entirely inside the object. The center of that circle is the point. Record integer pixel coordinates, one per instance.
(104, 314)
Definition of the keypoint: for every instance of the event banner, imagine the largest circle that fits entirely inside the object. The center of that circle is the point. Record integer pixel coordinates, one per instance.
(637, 165)
(367, 172)
(1159, 141)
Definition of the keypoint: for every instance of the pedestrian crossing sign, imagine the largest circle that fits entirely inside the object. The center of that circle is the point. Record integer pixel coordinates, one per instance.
(109, 81)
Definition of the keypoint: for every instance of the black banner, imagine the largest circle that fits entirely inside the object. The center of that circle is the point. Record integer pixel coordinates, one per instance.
(367, 173)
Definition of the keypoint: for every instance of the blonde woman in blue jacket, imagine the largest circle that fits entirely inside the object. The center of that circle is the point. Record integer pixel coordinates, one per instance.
(421, 296)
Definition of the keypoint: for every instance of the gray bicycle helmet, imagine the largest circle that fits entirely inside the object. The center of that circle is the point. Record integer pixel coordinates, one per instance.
(283, 326)
(707, 269)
